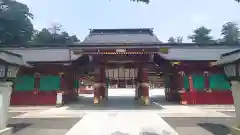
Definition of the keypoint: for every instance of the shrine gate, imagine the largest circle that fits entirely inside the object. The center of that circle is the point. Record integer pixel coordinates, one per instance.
(121, 58)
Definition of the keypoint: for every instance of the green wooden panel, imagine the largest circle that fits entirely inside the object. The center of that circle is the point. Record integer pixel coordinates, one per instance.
(49, 83)
(76, 84)
(219, 82)
(24, 83)
(166, 81)
(185, 82)
(198, 82)
(107, 83)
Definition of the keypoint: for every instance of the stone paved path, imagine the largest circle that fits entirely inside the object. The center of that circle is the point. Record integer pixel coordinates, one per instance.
(122, 115)
(121, 123)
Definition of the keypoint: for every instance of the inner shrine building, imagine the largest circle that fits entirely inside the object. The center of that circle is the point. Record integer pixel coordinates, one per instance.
(122, 58)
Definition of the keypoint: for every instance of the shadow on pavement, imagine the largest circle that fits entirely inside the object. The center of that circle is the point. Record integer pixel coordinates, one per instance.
(216, 129)
(19, 126)
(160, 99)
(141, 133)
(119, 133)
(14, 114)
(40, 126)
(122, 99)
(113, 103)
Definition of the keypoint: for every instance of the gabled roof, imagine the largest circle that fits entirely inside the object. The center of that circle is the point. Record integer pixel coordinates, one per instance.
(197, 53)
(229, 57)
(121, 36)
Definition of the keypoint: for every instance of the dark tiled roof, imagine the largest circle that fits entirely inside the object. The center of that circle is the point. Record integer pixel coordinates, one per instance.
(124, 36)
(197, 53)
(175, 53)
(12, 58)
(42, 55)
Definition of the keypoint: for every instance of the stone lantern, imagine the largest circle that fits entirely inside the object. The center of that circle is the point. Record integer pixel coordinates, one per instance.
(231, 64)
(9, 65)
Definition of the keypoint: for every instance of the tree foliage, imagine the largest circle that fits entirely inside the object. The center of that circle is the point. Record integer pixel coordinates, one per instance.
(230, 33)
(171, 40)
(46, 36)
(147, 1)
(177, 40)
(15, 23)
(201, 36)
(16, 28)
(144, 1)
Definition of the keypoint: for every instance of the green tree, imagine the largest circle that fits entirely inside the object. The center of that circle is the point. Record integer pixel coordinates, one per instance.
(230, 33)
(201, 36)
(147, 1)
(74, 39)
(171, 40)
(144, 1)
(15, 23)
(44, 36)
(47, 37)
(177, 40)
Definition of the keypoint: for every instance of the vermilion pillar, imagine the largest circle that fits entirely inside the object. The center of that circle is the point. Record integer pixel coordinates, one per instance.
(102, 83)
(144, 86)
(36, 83)
(206, 81)
(182, 74)
(99, 85)
(138, 80)
(142, 89)
(192, 91)
(96, 87)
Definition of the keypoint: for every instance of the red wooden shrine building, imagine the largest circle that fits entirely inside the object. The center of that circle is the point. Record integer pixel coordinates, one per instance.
(121, 58)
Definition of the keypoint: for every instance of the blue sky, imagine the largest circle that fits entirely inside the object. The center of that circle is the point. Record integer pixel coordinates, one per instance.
(167, 17)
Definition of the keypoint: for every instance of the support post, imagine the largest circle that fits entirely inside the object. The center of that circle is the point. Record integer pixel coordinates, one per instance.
(5, 94)
(96, 88)
(137, 89)
(191, 90)
(183, 93)
(102, 83)
(236, 98)
(144, 87)
(206, 81)
(142, 91)
(36, 83)
(60, 100)
(96, 95)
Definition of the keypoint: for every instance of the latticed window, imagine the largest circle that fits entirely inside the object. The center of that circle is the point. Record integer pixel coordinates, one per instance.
(230, 70)
(12, 71)
(2, 71)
